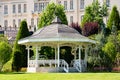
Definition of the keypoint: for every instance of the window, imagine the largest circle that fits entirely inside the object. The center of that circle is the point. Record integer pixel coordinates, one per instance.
(41, 6)
(14, 9)
(19, 8)
(65, 5)
(71, 19)
(6, 9)
(25, 8)
(81, 4)
(19, 21)
(35, 7)
(14, 25)
(6, 23)
(71, 4)
(108, 3)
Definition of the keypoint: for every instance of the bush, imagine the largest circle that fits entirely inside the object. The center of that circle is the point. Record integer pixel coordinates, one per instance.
(17, 61)
(5, 53)
(7, 67)
(90, 28)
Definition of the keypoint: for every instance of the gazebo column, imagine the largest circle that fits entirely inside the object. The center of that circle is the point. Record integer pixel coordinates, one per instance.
(36, 58)
(58, 50)
(80, 58)
(86, 49)
(28, 56)
(55, 56)
(75, 55)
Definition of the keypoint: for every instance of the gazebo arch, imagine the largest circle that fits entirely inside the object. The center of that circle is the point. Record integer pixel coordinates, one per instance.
(56, 35)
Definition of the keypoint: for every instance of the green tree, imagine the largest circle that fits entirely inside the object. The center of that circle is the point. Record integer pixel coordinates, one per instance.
(22, 33)
(110, 50)
(17, 57)
(95, 13)
(49, 14)
(5, 53)
(114, 18)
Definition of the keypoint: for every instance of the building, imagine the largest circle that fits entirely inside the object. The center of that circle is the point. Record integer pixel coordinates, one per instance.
(12, 12)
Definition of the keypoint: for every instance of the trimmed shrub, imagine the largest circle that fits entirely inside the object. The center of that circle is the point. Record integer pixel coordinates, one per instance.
(22, 33)
(17, 61)
(90, 28)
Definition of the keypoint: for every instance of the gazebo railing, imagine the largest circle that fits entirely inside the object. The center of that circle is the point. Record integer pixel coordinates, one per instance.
(80, 66)
(77, 65)
(65, 65)
(49, 63)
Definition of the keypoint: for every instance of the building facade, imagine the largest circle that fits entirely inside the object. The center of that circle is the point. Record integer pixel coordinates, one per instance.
(12, 12)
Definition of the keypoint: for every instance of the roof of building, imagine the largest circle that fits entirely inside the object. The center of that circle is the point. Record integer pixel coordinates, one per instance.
(56, 32)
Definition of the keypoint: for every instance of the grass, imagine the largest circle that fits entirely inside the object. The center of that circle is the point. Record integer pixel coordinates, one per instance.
(59, 76)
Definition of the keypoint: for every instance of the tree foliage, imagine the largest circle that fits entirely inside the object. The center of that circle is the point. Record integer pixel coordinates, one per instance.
(109, 49)
(5, 53)
(17, 57)
(49, 14)
(94, 13)
(22, 33)
(114, 18)
(90, 28)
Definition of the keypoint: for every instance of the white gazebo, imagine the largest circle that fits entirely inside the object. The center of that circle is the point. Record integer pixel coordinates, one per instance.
(57, 35)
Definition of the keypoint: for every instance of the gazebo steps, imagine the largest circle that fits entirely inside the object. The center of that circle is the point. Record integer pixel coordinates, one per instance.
(51, 70)
(72, 70)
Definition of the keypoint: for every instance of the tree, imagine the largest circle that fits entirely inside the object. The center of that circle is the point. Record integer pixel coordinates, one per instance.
(94, 13)
(90, 28)
(5, 53)
(114, 18)
(49, 14)
(17, 57)
(110, 50)
(22, 33)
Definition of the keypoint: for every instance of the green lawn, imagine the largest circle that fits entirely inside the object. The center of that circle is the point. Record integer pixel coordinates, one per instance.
(60, 76)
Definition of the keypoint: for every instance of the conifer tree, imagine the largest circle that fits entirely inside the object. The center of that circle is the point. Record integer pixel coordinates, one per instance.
(22, 33)
(114, 18)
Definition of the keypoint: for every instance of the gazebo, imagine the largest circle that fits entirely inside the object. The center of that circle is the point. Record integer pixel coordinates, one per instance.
(57, 35)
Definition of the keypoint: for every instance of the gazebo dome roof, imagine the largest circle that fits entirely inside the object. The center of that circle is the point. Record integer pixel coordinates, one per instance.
(56, 32)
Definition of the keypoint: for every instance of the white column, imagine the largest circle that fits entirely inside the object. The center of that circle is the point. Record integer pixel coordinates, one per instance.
(28, 56)
(55, 56)
(74, 54)
(36, 59)
(58, 55)
(86, 56)
(80, 58)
